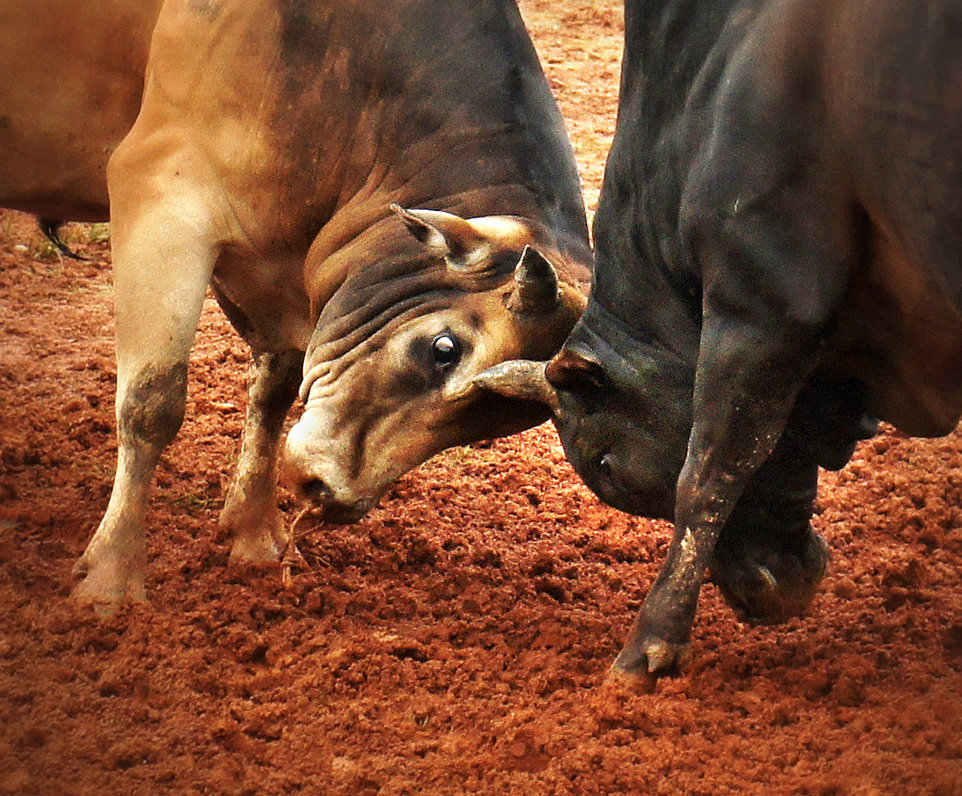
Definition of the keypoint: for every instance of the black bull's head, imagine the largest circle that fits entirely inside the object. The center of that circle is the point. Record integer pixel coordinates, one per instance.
(623, 410)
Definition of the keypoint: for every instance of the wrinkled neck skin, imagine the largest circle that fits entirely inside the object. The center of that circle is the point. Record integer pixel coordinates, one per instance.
(384, 277)
(359, 239)
(646, 274)
(647, 277)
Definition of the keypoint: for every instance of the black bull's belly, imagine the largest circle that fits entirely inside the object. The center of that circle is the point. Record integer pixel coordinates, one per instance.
(778, 264)
(382, 191)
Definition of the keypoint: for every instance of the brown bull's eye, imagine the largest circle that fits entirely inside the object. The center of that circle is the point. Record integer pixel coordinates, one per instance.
(446, 350)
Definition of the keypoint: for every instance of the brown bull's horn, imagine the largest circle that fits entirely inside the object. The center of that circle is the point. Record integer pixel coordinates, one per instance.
(536, 285)
(519, 378)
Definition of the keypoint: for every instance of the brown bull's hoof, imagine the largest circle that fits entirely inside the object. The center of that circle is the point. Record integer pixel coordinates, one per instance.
(767, 587)
(254, 549)
(258, 534)
(106, 584)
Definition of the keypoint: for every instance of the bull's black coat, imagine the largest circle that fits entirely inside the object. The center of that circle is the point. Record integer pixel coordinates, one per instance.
(778, 246)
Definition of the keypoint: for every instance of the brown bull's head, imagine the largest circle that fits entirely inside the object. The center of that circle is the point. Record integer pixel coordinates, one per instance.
(390, 373)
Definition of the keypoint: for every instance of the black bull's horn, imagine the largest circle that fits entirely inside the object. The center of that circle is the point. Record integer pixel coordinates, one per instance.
(519, 378)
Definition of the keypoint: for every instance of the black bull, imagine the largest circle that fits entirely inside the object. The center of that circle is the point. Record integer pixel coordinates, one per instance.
(778, 247)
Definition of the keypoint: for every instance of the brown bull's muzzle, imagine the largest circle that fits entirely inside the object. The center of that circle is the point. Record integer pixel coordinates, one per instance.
(522, 379)
(310, 474)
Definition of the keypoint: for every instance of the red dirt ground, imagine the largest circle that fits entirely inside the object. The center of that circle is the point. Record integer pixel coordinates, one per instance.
(456, 640)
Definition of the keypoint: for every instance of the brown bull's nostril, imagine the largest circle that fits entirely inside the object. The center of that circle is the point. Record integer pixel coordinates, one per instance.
(316, 490)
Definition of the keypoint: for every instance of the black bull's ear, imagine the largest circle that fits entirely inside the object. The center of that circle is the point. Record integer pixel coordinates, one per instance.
(575, 372)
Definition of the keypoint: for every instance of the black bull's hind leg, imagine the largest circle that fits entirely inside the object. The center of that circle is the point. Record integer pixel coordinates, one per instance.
(767, 561)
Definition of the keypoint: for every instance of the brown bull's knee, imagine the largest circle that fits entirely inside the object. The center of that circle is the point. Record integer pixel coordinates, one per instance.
(153, 406)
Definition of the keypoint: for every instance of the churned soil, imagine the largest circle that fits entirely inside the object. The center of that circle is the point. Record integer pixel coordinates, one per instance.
(455, 641)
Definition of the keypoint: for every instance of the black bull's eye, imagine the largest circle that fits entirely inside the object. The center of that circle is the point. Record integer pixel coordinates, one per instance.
(446, 350)
(604, 466)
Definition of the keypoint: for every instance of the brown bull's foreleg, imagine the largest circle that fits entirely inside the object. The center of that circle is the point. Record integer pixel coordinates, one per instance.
(149, 413)
(164, 245)
(250, 509)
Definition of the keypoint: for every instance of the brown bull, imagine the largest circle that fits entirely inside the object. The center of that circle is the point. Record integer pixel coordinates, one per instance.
(259, 148)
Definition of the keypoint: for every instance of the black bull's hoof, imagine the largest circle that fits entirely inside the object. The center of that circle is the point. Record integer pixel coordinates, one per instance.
(766, 585)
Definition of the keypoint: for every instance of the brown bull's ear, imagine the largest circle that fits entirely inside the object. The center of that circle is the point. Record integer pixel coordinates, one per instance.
(446, 235)
(575, 372)
(535, 285)
(519, 378)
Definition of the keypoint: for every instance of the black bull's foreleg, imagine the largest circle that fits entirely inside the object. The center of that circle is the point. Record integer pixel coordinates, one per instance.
(768, 561)
(762, 553)
(751, 528)
(775, 255)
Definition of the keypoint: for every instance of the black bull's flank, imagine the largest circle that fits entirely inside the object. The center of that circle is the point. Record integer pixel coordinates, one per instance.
(778, 246)
(380, 194)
